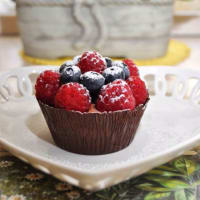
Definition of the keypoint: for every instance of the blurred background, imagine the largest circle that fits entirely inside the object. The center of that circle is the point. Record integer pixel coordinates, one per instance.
(152, 32)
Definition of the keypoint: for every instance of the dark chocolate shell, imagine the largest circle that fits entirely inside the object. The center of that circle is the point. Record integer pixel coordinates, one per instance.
(92, 133)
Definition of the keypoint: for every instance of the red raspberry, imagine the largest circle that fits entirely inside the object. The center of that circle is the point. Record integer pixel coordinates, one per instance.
(132, 67)
(92, 61)
(46, 86)
(138, 88)
(73, 96)
(115, 96)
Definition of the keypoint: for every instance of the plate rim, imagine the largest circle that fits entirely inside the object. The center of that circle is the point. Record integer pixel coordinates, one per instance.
(184, 146)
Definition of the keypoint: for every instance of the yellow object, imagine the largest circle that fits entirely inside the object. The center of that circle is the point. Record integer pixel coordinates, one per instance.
(177, 52)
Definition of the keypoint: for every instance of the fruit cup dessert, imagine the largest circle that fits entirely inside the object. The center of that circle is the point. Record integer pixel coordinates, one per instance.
(92, 105)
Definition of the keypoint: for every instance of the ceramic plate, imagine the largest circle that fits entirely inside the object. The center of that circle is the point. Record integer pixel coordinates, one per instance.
(170, 126)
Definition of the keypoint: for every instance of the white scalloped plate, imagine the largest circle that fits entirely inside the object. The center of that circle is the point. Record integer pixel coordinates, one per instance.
(170, 126)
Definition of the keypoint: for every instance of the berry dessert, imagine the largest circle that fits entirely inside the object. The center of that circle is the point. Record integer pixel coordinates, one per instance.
(92, 104)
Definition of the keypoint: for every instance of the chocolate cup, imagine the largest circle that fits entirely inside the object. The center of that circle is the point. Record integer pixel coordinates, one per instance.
(92, 133)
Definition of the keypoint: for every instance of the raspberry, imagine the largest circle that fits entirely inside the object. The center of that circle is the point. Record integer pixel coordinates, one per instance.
(138, 88)
(47, 85)
(132, 67)
(73, 96)
(115, 96)
(92, 61)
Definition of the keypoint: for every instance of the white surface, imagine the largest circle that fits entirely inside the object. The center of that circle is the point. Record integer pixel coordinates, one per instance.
(169, 127)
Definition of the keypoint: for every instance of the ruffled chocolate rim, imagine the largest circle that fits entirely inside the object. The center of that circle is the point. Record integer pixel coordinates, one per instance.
(92, 133)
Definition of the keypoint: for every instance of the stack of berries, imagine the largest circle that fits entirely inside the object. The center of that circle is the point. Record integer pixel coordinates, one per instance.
(92, 79)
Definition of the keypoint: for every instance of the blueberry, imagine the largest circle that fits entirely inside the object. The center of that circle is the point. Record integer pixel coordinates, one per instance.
(124, 67)
(126, 71)
(76, 59)
(113, 73)
(66, 64)
(70, 74)
(108, 62)
(93, 81)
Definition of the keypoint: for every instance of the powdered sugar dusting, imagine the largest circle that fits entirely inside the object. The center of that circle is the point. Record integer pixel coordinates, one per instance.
(104, 60)
(126, 101)
(80, 88)
(95, 59)
(124, 90)
(91, 61)
(118, 64)
(92, 75)
(46, 85)
(76, 59)
(86, 91)
(130, 78)
(113, 71)
(116, 95)
(118, 82)
(69, 84)
(87, 54)
(101, 98)
(117, 98)
(76, 69)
